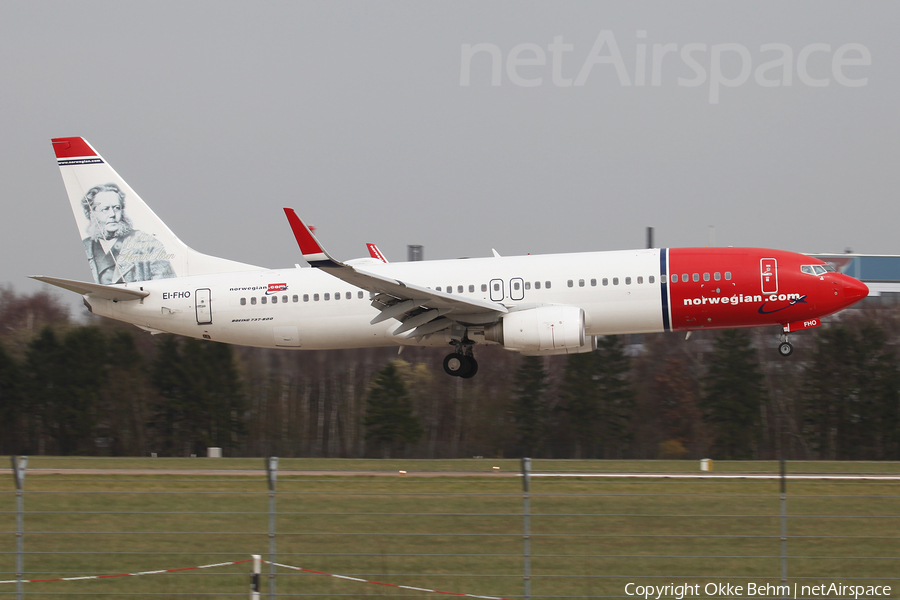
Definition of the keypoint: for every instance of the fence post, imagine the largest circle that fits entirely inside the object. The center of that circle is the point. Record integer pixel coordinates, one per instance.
(18, 469)
(272, 475)
(783, 528)
(254, 577)
(526, 485)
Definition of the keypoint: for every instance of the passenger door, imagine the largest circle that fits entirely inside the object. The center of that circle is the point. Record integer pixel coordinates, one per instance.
(202, 299)
(769, 274)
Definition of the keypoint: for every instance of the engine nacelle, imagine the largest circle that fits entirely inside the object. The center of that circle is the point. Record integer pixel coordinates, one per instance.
(541, 330)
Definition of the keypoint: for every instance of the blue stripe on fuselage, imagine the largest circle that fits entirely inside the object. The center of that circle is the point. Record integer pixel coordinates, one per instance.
(664, 287)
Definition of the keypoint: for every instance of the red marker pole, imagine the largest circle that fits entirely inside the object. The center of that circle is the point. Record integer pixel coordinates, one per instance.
(254, 577)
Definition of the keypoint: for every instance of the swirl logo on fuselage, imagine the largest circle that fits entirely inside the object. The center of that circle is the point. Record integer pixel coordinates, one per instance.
(793, 301)
(274, 288)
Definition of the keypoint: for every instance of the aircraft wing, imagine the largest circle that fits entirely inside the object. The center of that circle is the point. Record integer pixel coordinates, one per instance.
(108, 292)
(422, 310)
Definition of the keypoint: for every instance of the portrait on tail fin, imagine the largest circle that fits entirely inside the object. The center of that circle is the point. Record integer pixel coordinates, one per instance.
(116, 251)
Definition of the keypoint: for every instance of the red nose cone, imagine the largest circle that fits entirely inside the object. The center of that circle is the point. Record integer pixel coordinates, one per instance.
(854, 290)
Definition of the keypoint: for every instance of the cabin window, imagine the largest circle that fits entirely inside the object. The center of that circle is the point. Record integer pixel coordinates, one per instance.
(284, 299)
(537, 285)
(806, 269)
(326, 297)
(253, 300)
(274, 300)
(295, 298)
(706, 277)
(449, 289)
(483, 287)
(527, 285)
(727, 275)
(696, 276)
(337, 295)
(605, 281)
(581, 283)
(516, 285)
(640, 279)
(359, 294)
(262, 300)
(685, 277)
(315, 297)
(459, 289)
(471, 289)
(306, 297)
(819, 269)
(496, 287)
(593, 283)
(674, 278)
(243, 302)
(652, 279)
(717, 276)
(628, 281)
(569, 283)
(615, 281)
(547, 285)
(438, 288)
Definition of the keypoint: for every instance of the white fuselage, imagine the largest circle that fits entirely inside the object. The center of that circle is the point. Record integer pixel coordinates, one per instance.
(307, 308)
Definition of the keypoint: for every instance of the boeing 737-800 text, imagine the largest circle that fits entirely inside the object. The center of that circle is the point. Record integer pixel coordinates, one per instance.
(536, 304)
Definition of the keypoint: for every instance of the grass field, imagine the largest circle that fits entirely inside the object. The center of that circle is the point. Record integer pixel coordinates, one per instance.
(590, 536)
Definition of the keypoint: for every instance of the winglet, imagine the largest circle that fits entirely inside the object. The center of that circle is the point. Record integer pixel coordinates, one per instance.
(312, 251)
(374, 252)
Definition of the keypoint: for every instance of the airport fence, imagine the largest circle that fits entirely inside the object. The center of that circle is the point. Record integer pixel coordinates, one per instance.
(489, 529)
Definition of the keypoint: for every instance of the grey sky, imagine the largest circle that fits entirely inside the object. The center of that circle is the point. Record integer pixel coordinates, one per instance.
(221, 113)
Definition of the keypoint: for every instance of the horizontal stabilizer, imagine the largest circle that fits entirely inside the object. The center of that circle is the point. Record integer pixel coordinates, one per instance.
(95, 290)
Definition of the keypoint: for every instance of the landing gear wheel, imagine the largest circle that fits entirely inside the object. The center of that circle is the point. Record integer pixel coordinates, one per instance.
(785, 349)
(457, 365)
(473, 368)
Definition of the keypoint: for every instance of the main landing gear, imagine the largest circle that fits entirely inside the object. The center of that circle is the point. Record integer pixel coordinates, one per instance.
(461, 363)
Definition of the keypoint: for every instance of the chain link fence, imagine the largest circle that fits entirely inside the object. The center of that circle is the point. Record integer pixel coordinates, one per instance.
(497, 529)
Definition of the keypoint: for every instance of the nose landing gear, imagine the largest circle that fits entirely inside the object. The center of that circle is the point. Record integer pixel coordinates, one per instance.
(785, 348)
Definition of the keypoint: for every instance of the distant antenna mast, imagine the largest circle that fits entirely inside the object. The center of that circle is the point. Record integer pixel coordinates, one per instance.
(650, 238)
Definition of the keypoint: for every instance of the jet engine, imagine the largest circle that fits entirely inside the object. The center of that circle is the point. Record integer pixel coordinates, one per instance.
(541, 331)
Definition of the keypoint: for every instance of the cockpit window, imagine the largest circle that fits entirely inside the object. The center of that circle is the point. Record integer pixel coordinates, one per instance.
(817, 269)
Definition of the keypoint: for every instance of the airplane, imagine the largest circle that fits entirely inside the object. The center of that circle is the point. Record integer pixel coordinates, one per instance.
(534, 304)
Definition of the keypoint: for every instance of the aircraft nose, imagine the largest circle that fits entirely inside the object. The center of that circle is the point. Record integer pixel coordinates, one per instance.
(854, 290)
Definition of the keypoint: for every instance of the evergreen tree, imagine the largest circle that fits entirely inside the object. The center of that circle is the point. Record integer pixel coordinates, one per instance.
(389, 421)
(12, 411)
(530, 409)
(65, 381)
(598, 399)
(733, 393)
(125, 399)
(850, 394)
(200, 396)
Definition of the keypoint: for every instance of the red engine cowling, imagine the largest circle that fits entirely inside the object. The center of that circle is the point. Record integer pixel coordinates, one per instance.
(541, 330)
